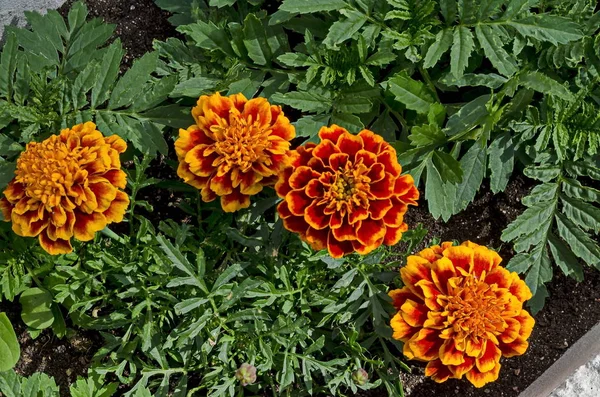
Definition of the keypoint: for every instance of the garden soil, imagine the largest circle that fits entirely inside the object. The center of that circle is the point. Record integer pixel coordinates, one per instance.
(570, 312)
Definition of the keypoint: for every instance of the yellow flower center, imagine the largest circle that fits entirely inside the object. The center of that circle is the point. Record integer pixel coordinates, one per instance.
(350, 187)
(242, 143)
(49, 169)
(472, 309)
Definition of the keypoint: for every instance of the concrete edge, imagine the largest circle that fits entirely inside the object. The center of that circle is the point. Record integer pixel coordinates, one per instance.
(584, 350)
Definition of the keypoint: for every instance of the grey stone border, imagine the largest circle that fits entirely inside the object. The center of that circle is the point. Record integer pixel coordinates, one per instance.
(583, 351)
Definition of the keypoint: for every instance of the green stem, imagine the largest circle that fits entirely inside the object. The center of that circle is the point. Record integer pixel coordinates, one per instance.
(429, 82)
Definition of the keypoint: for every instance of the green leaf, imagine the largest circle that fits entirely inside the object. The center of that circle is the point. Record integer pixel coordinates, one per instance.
(501, 161)
(490, 80)
(440, 45)
(229, 274)
(473, 168)
(107, 73)
(344, 29)
(10, 351)
(576, 190)
(353, 104)
(551, 28)
(255, 40)
(36, 308)
(564, 258)
(449, 169)
(195, 87)
(529, 221)
(544, 173)
(426, 134)
(412, 93)
(461, 50)
(538, 81)
(7, 173)
(438, 193)
(170, 115)
(579, 241)
(8, 65)
(540, 270)
(309, 126)
(310, 6)
(468, 117)
(208, 36)
(304, 101)
(131, 85)
(181, 262)
(583, 214)
(492, 45)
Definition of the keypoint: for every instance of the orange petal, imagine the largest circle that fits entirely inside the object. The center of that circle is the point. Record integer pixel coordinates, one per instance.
(401, 329)
(314, 189)
(483, 260)
(14, 191)
(337, 161)
(257, 110)
(442, 270)
(338, 249)
(350, 144)
(235, 201)
(357, 214)
(394, 234)
(490, 357)
(527, 323)
(344, 232)
(116, 177)
(331, 133)
(416, 269)
(461, 257)
(429, 292)
(314, 216)
(282, 187)
(301, 176)
(450, 355)
(395, 215)
(183, 171)
(378, 208)
(325, 149)
(317, 238)
(298, 201)
(86, 225)
(6, 209)
(282, 126)
(519, 289)
(105, 194)
(370, 232)
(54, 247)
(390, 162)
(368, 159)
(399, 296)
(438, 372)
(514, 348)
(512, 330)
(425, 345)
(221, 185)
(372, 142)
(480, 379)
(414, 313)
(296, 224)
(384, 188)
(460, 370)
(116, 211)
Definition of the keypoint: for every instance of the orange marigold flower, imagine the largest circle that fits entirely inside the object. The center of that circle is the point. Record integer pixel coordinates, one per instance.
(460, 311)
(67, 186)
(237, 147)
(346, 193)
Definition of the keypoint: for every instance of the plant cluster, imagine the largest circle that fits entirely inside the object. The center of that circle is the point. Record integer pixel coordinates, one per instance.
(256, 288)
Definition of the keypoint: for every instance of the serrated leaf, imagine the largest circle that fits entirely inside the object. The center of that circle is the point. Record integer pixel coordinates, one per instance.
(310, 6)
(255, 40)
(468, 117)
(564, 258)
(353, 104)
(501, 161)
(472, 165)
(426, 134)
(544, 173)
(412, 93)
(490, 80)
(448, 167)
(538, 81)
(8, 64)
(131, 85)
(441, 44)
(576, 190)
(493, 48)
(108, 74)
(540, 270)
(579, 241)
(304, 101)
(208, 36)
(545, 27)
(439, 193)
(528, 222)
(461, 50)
(154, 93)
(344, 29)
(583, 214)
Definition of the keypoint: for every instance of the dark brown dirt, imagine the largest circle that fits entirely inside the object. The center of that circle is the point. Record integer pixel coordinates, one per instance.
(139, 23)
(65, 359)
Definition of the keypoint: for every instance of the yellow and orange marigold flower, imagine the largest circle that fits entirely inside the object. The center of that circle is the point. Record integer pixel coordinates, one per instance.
(460, 311)
(346, 193)
(236, 147)
(67, 186)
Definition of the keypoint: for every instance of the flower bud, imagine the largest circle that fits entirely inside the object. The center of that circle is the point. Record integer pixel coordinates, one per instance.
(360, 377)
(246, 374)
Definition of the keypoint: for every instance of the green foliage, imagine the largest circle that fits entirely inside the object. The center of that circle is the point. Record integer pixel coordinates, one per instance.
(60, 73)
(10, 350)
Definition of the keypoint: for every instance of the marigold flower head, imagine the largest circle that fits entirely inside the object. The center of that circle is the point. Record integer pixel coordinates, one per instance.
(246, 374)
(460, 311)
(67, 186)
(236, 147)
(346, 193)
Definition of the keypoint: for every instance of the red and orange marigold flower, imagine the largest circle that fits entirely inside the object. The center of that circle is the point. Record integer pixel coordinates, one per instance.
(347, 193)
(67, 186)
(236, 147)
(460, 311)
